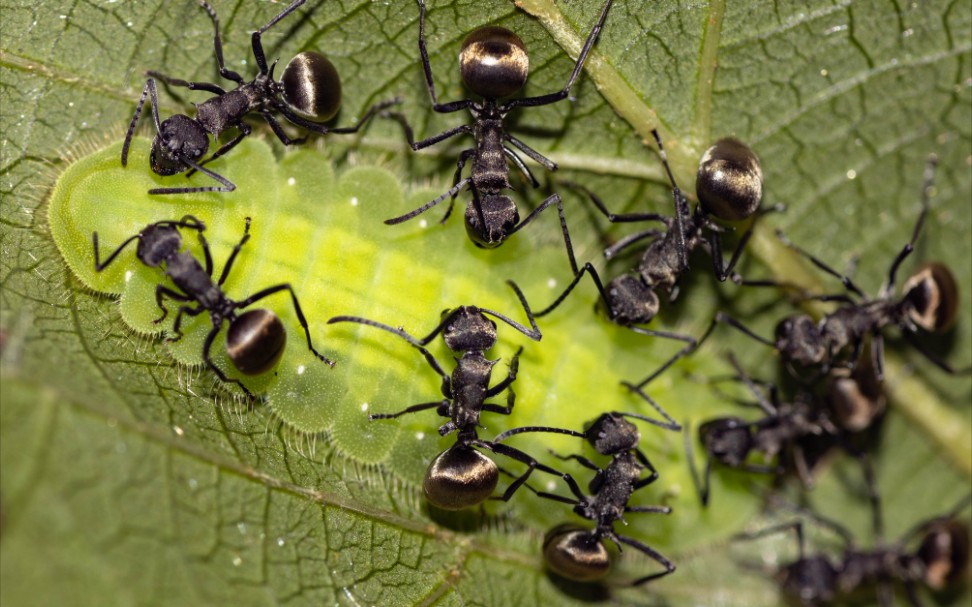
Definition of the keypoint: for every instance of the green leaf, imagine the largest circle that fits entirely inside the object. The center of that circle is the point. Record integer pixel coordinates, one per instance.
(130, 478)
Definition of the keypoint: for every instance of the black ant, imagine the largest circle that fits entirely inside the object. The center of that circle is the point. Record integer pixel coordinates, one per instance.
(494, 64)
(939, 562)
(461, 476)
(576, 552)
(729, 186)
(786, 429)
(929, 300)
(255, 339)
(307, 94)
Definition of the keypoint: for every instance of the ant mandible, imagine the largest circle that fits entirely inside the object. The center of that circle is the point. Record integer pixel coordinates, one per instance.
(461, 476)
(255, 339)
(307, 94)
(494, 64)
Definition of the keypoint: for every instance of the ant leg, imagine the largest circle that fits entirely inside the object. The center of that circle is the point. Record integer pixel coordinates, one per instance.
(539, 158)
(877, 355)
(148, 90)
(510, 401)
(630, 239)
(278, 130)
(580, 459)
(846, 280)
(720, 317)
(701, 485)
(682, 211)
(654, 555)
(533, 333)
(873, 496)
(552, 199)
(929, 180)
(418, 344)
(427, 68)
(524, 169)
(162, 290)
(770, 409)
(912, 339)
(228, 186)
(425, 207)
(644, 461)
(589, 269)
(177, 326)
(232, 257)
(293, 296)
(209, 87)
(797, 526)
(218, 45)
(581, 58)
(505, 435)
(207, 345)
(715, 246)
(670, 424)
(464, 157)
(419, 145)
(510, 377)
(532, 464)
(412, 409)
(614, 217)
(101, 266)
(255, 38)
(244, 129)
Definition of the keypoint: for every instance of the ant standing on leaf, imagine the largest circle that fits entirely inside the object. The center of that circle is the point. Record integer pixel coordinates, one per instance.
(307, 94)
(929, 301)
(729, 186)
(494, 65)
(255, 340)
(461, 476)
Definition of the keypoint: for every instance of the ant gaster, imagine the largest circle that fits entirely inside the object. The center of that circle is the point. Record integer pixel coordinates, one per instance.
(939, 562)
(255, 339)
(494, 64)
(576, 552)
(929, 301)
(307, 94)
(461, 476)
(729, 187)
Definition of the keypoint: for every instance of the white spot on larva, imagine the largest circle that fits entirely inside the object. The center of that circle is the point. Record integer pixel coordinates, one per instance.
(423, 223)
(179, 431)
(301, 369)
(419, 435)
(242, 527)
(551, 485)
(193, 483)
(364, 406)
(551, 283)
(354, 201)
(824, 73)
(852, 174)
(291, 181)
(237, 561)
(280, 541)
(128, 275)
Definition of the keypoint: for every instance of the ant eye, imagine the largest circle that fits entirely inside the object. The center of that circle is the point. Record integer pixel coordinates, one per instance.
(312, 86)
(494, 62)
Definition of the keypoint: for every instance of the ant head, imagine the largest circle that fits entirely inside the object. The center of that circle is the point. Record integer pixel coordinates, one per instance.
(630, 301)
(312, 87)
(811, 580)
(575, 553)
(727, 439)
(499, 217)
(180, 138)
(460, 477)
(729, 183)
(933, 296)
(255, 341)
(468, 329)
(798, 340)
(856, 400)
(493, 62)
(158, 242)
(610, 434)
(944, 552)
